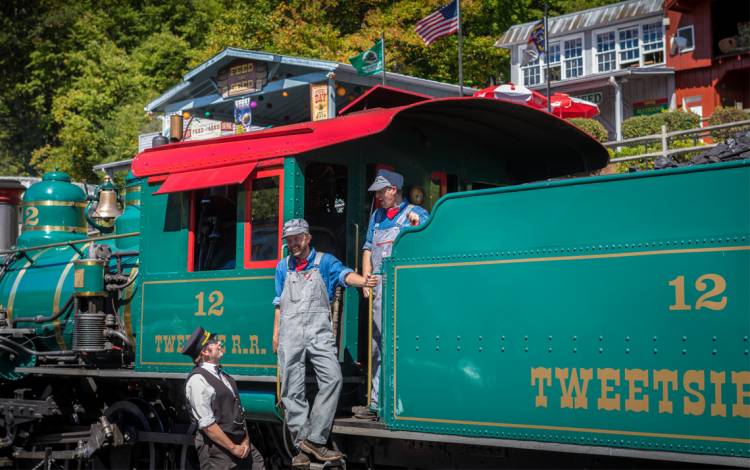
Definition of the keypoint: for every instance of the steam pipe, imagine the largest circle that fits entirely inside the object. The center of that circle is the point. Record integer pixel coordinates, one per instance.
(41, 319)
(109, 332)
(36, 353)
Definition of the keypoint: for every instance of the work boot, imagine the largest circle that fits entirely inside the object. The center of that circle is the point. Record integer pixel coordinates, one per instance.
(320, 452)
(365, 412)
(301, 461)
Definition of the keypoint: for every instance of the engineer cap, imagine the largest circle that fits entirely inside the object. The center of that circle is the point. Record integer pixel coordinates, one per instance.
(386, 178)
(295, 227)
(197, 341)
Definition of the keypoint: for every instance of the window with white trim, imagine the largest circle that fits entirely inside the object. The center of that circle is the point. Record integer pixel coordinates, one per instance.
(555, 73)
(531, 72)
(686, 34)
(573, 50)
(606, 59)
(627, 40)
(653, 43)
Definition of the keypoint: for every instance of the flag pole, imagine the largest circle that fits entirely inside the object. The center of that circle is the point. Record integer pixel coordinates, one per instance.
(546, 58)
(460, 57)
(382, 52)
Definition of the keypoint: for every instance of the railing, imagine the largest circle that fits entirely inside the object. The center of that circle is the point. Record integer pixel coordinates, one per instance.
(664, 138)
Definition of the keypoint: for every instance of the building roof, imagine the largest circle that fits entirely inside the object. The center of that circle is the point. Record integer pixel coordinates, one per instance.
(584, 20)
(198, 88)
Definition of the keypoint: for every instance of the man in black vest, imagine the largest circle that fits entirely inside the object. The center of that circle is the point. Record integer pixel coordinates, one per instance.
(222, 439)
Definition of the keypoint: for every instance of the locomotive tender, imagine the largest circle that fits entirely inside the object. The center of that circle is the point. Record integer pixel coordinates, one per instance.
(606, 315)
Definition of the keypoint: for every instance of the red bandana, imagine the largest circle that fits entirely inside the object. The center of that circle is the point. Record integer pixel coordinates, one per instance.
(392, 212)
(301, 264)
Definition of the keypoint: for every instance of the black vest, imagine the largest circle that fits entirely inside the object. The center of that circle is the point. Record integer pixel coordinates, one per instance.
(225, 406)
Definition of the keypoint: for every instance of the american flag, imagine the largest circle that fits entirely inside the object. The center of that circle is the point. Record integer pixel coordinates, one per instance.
(442, 22)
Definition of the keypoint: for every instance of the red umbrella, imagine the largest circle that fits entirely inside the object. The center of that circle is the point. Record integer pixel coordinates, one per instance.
(515, 93)
(562, 105)
(566, 106)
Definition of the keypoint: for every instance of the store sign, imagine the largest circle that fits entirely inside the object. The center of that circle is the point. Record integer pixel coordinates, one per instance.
(242, 77)
(644, 108)
(200, 129)
(595, 97)
(318, 102)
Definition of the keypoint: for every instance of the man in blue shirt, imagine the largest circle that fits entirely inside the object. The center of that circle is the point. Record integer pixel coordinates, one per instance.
(305, 284)
(385, 225)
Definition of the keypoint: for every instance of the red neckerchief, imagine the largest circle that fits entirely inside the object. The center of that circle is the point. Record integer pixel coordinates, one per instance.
(392, 212)
(300, 264)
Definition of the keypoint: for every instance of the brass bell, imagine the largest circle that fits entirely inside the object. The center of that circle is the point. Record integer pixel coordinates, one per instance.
(107, 207)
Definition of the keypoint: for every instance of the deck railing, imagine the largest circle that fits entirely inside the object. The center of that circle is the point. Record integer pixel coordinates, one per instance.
(664, 137)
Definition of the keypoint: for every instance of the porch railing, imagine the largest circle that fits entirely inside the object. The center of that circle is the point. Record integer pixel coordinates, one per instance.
(664, 138)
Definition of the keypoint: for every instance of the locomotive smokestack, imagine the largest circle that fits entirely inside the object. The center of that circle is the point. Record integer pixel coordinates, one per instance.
(10, 198)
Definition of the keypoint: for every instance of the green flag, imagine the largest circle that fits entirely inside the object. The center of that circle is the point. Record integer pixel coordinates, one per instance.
(370, 62)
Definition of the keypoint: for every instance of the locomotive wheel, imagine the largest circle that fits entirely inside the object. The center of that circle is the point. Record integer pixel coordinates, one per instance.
(133, 455)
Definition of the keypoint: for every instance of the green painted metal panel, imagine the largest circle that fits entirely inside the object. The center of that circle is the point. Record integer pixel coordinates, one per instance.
(130, 220)
(633, 288)
(164, 231)
(237, 307)
(294, 190)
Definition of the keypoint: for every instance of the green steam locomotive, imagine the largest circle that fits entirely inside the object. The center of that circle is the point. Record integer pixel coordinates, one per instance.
(535, 316)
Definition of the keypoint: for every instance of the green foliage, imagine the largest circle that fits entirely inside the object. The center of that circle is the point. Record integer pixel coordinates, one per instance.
(640, 126)
(592, 127)
(725, 116)
(76, 75)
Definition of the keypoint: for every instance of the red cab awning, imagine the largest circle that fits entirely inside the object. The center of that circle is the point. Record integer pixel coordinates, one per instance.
(200, 179)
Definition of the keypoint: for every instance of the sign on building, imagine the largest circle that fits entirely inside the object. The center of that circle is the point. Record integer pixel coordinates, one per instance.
(644, 108)
(242, 77)
(318, 102)
(595, 97)
(200, 129)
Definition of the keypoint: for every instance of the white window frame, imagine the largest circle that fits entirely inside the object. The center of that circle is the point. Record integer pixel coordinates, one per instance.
(522, 71)
(559, 61)
(620, 50)
(616, 30)
(661, 43)
(595, 42)
(692, 34)
(564, 58)
(543, 63)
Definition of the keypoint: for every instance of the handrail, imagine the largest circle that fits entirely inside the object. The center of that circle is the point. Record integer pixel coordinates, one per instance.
(664, 137)
(656, 137)
(70, 243)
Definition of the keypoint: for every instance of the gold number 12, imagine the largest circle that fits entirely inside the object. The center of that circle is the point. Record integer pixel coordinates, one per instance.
(704, 301)
(216, 298)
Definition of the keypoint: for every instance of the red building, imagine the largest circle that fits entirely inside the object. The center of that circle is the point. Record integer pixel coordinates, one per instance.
(709, 50)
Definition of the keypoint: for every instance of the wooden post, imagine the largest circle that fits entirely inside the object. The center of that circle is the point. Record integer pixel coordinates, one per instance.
(664, 142)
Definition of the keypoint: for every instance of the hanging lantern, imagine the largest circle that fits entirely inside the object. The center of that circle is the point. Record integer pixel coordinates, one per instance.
(186, 115)
(341, 91)
(253, 104)
(284, 93)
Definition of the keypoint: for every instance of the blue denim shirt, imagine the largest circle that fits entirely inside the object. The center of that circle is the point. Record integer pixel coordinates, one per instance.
(379, 217)
(331, 270)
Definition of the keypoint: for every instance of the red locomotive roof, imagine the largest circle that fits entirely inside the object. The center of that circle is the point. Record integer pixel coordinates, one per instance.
(562, 148)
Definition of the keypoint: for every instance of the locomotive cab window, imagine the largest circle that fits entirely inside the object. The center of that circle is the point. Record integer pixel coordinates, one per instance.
(213, 229)
(263, 220)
